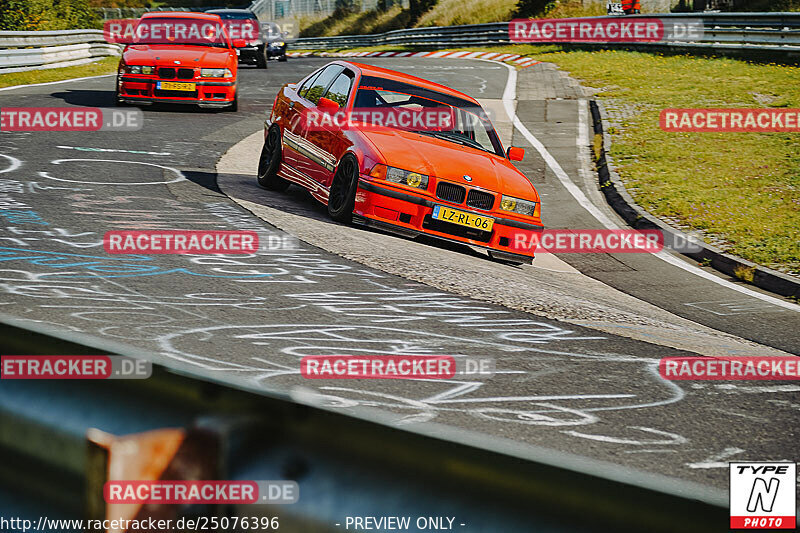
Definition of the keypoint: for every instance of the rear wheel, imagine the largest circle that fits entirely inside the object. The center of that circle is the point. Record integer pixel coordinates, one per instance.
(270, 162)
(342, 197)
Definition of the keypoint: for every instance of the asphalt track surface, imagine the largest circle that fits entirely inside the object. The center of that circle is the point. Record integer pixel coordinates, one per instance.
(560, 384)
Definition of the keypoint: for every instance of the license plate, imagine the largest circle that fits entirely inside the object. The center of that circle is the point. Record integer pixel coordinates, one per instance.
(175, 86)
(461, 218)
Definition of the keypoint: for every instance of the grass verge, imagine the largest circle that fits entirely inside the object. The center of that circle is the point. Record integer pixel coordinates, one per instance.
(455, 12)
(344, 23)
(740, 189)
(107, 65)
(445, 13)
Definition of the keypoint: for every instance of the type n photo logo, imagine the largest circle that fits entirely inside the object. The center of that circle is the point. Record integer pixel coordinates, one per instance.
(763, 495)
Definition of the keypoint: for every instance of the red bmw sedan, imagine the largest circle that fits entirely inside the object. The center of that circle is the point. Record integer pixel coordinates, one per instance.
(179, 58)
(334, 133)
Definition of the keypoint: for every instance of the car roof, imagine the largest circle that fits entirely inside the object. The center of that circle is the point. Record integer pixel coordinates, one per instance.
(181, 14)
(231, 11)
(371, 70)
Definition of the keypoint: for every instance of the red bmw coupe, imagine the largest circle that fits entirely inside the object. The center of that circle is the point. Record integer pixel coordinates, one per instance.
(452, 180)
(180, 58)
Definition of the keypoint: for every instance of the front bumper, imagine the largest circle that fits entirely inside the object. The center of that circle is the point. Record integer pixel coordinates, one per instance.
(134, 90)
(276, 51)
(408, 214)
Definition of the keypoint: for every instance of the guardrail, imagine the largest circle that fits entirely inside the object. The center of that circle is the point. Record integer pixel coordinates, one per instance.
(35, 50)
(346, 462)
(770, 32)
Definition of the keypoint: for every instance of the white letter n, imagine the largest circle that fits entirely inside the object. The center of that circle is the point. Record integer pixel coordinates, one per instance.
(759, 496)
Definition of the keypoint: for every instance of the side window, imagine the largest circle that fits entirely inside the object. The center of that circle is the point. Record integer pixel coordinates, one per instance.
(320, 84)
(304, 89)
(340, 88)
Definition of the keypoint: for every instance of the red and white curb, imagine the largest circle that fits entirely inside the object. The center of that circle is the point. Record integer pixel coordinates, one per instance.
(515, 59)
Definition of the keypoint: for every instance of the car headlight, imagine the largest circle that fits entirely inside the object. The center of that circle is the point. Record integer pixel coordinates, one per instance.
(215, 73)
(398, 175)
(515, 205)
(139, 69)
(277, 43)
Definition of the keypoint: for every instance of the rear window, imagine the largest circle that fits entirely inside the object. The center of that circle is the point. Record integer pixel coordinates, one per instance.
(234, 16)
(175, 30)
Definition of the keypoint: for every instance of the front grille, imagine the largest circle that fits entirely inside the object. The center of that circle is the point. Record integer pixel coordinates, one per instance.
(185, 73)
(480, 199)
(454, 229)
(450, 192)
(166, 73)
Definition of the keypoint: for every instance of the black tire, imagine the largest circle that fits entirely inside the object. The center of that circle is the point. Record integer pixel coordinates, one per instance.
(234, 107)
(117, 100)
(342, 197)
(270, 162)
(262, 59)
(283, 57)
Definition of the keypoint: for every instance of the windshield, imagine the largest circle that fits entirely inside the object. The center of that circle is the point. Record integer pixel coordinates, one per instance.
(168, 30)
(272, 29)
(233, 15)
(470, 127)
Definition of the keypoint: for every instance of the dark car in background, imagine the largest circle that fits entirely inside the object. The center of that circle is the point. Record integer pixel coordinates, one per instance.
(255, 49)
(276, 40)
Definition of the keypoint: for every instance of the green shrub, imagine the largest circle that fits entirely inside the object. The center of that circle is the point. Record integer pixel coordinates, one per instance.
(22, 15)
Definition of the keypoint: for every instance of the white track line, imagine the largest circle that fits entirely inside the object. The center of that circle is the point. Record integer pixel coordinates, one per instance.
(510, 94)
(53, 82)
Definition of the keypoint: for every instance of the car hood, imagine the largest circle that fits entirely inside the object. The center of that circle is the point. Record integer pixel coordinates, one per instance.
(449, 161)
(166, 55)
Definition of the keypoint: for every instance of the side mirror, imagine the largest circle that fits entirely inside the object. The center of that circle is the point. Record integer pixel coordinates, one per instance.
(515, 153)
(326, 104)
(239, 43)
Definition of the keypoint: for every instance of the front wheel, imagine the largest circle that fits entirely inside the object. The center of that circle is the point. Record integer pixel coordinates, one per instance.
(342, 199)
(234, 106)
(283, 57)
(262, 58)
(270, 162)
(117, 100)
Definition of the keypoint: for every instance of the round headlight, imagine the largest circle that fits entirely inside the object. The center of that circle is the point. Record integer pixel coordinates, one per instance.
(508, 204)
(414, 179)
